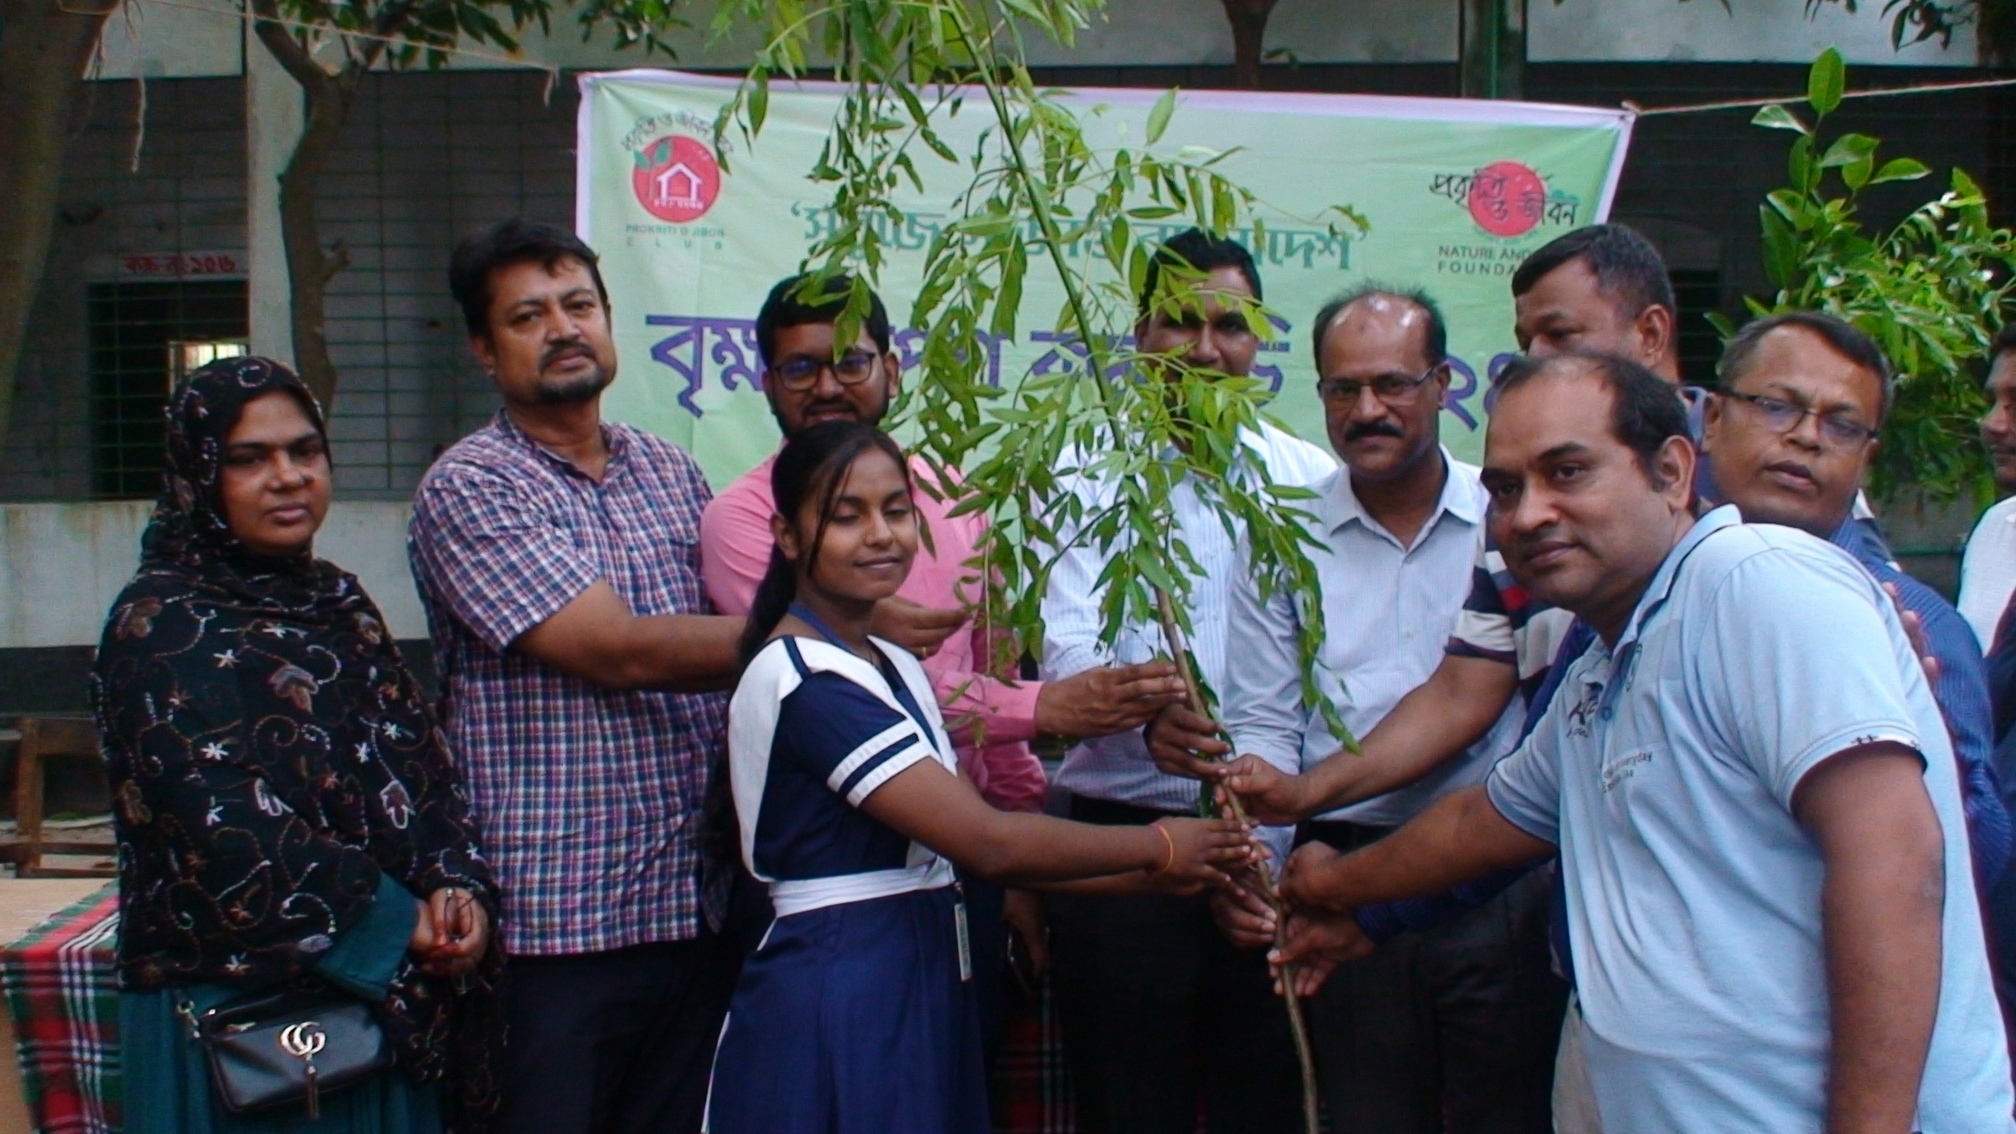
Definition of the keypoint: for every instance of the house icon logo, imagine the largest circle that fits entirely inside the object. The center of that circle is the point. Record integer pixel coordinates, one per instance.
(675, 178)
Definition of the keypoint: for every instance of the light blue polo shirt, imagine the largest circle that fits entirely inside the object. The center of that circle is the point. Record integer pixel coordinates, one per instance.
(1664, 770)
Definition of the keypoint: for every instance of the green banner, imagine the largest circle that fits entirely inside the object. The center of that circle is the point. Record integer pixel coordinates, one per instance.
(1457, 192)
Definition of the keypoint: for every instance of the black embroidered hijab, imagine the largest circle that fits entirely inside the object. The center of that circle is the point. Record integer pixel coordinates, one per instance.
(270, 755)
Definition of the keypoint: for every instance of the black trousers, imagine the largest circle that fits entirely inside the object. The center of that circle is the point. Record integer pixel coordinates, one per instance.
(620, 1042)
(1452, 1029)
(1159, 1009)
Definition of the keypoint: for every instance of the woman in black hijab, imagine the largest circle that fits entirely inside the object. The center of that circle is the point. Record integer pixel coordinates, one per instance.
(287, 809)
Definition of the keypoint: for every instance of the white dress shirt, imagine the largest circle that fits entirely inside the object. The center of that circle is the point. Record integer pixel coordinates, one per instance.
(1988, 571)
(1117, 767)
(1388, 608)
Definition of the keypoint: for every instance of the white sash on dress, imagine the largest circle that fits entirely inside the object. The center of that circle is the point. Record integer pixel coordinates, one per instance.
(752, 730)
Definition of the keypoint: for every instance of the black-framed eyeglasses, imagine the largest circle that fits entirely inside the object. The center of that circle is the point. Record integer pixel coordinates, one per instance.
(1392, 389)
(1782, 416)
(800, 373)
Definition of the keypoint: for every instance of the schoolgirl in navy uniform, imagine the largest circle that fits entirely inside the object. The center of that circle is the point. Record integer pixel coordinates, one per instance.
(857, 1011)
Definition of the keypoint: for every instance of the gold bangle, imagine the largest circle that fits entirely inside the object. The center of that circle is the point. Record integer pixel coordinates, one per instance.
(1168, 864)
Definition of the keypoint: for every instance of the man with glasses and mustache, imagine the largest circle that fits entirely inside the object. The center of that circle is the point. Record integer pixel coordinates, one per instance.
(1447, 1029)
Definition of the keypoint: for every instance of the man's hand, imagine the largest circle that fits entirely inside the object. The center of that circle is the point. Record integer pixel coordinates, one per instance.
(1023, 911)
(1242, 912)
(1185, 742)
(1269, 794)
(1302, 878)
(913, 626)
(1315, 944)
(1914, 629)
(1107, 699)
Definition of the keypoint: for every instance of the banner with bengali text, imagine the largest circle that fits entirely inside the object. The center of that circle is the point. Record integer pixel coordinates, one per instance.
(1457, 192)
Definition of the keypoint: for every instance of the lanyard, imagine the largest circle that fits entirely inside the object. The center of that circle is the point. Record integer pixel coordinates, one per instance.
(810, 619)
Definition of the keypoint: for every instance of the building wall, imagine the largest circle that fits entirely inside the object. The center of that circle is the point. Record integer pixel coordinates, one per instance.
(177, 184)
(188, 38)
(427, 157)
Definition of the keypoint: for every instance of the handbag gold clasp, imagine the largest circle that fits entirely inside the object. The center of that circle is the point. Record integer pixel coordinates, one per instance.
(304, 1041)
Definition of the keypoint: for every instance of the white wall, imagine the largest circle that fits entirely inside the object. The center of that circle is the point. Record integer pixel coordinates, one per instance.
(61, 565)
(170, 38)
(1748, 31)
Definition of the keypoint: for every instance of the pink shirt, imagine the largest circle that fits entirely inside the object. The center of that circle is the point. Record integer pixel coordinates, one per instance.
(735, 546)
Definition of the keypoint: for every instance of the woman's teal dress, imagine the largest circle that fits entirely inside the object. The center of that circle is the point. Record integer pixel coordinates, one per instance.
(167, 1082)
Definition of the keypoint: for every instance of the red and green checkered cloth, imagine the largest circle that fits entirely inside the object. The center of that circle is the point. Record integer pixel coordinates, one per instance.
(63, 991)
(1031, 1091)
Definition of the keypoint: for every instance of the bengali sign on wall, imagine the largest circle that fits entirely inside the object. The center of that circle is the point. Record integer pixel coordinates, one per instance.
(1456, 192)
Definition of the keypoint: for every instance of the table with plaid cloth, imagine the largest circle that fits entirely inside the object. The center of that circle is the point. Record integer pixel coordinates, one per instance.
(63, 995)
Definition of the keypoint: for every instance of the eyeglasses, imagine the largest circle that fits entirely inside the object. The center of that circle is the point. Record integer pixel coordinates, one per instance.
(1391, 389)
(1783, 417)
(800, 373)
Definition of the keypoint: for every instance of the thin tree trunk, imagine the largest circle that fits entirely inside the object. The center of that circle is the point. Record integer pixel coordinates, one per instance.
(1298, 1024)
(310, 267)
(1249, 31)
(44, 48)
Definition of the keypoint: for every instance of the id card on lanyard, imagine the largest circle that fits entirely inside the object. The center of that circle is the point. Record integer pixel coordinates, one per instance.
(965, 939)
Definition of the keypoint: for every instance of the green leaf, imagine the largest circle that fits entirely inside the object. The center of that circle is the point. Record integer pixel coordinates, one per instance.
(1826, 81)
(1158, 118)
(1776, 117)
(1799, 165)
(1781, 248)
(759, 100)
(1900, 169)
(1847, 149)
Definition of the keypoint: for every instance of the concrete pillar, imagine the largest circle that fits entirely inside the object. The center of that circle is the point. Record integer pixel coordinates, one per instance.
(273, 122)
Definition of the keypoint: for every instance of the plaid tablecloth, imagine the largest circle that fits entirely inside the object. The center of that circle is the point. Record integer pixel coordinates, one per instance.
(1030, 1088)
(64, 997)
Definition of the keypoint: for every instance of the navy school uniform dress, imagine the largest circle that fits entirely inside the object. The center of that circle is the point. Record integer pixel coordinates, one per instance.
(857, 1013)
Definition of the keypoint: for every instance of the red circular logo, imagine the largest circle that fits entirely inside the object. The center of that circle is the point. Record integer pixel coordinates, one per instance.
(676, 178)
(1507, 198)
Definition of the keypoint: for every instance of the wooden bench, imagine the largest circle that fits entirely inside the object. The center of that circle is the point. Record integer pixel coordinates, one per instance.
(43, 738)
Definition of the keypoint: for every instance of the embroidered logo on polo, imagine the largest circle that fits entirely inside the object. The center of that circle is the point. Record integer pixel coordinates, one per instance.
(1624, 767)
(1583, 713)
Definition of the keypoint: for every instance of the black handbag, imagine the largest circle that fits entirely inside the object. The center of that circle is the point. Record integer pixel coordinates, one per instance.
(288, 1045)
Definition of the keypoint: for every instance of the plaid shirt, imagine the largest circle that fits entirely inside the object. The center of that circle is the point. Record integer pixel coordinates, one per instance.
(590, 798)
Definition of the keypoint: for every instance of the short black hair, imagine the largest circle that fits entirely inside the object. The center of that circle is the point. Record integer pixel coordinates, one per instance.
(1197, 251)
(1626, 266)
(1846, 339)
(786, 307)
(1645, 409)
(515, 241)
(2005, 341)
(1436, 344)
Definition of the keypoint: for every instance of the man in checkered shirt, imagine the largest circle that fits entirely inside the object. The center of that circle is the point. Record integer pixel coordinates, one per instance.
(558, 557)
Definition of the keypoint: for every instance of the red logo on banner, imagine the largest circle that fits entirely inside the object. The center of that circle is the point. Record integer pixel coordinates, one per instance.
(1507, 199)
(676, 178)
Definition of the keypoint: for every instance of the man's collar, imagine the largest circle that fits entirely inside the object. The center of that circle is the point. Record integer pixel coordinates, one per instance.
(1661, 586)
(612, 439)
(1460, 499)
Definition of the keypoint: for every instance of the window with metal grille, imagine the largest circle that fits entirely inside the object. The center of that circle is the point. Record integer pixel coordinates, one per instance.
(143, 337)
(1698, 292)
